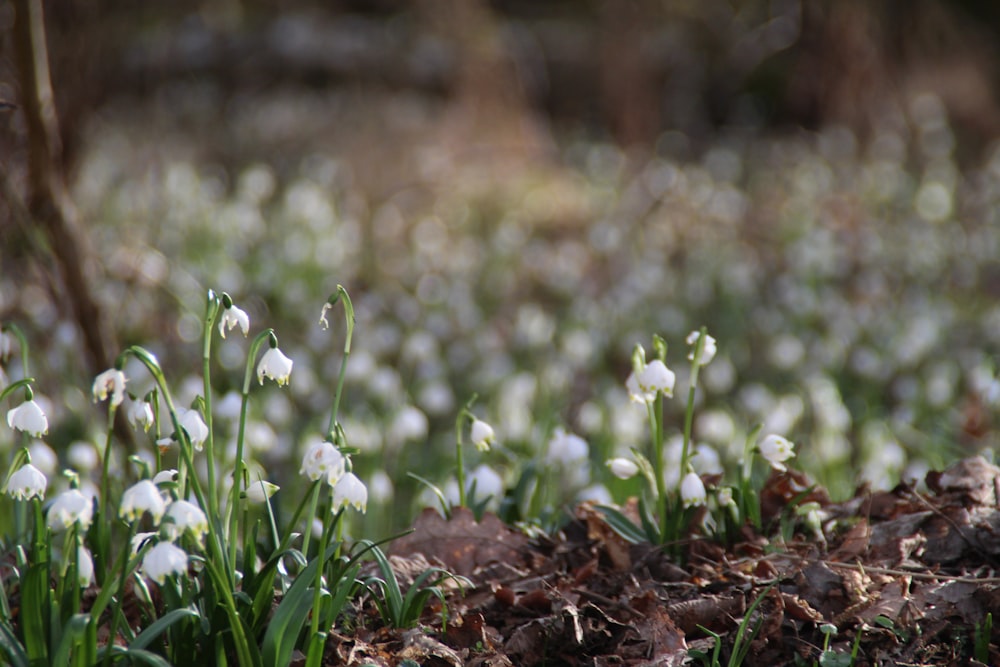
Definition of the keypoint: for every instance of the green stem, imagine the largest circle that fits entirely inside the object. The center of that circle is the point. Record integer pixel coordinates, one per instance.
(313, 502)
(318, 582)
(656, 426)
(211, 314)
(104, 524)
(22, 343)
(459, 459)
(349, 319)
(116, 611)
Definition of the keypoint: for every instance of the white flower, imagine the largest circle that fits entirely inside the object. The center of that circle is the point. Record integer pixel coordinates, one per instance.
(260, 491)
(28, 417)
(323, 322)
(231, 317)
(164, 476)
(188, 517)
(487, 482)
(68, 508)
(139, 540)
(482, 435)
(84, 567)
(693, 490)
(140, 413)
(142, 497)
(28, 482)
(567, 447)
(622, 468)
(323, 460)
(724, 497)
(82, 456)
(274, 365)
(164, 560)
(708, 348)
(653, 378)
(194, 426)
(350, 490)
(110, 381)
(775, 450)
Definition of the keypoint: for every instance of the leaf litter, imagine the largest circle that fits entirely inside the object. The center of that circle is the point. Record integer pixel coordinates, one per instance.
(906, 576)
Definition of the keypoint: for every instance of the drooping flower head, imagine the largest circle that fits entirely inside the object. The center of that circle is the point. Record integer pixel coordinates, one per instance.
(482, 435)
(164, 560)
(350, 490)
(186, 517)
(111, 381)
(140, 498)
(275, 366)
(70, 507)
(622, 468)
(28, 482)
(194, 426)
(259, 491)
(693, 490)
(140, 413)
(323, 460)
(28, 417)
(776, 450)
(231, 317)
(708, 348)
(84, 567)
(649, 380)
(567, 447)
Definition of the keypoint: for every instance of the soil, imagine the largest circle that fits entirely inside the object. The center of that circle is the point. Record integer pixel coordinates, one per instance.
(906, 577)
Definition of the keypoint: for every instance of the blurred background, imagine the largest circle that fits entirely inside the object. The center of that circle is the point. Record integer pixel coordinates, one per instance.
(515, 193)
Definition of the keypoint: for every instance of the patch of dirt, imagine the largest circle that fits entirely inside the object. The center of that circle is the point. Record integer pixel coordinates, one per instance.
(906, 576)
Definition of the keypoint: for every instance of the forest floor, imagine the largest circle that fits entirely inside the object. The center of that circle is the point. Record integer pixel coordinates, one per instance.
(907, 577)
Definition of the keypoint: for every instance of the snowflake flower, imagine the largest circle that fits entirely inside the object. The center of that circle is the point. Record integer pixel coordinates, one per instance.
(653, 378)
(84, 567)
(323, 460)
(622, 468)
(139, 498)
(194, 426)
(350, 490)
(708, 348)
(27, 483)
(776, 450)
(231, 317)
(693, 490)
(482, 435)
(186, 517)
(111, 381)
(275, 366)
(68, 508)
(28, 417)
(567, 447)
(140, 413)
(164, 560)
(260, 491)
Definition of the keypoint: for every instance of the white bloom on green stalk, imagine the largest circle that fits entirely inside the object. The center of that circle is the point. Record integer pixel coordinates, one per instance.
(111, 381)
(275, 366)
(482, 435)
(653, 378)
(82, 456)
(693, 490)
(139, 498)
(231, 317)
(84, 567)
(68, 508)
(350, 490)
(140, 413)
(622, 468)
(567, 447)
(194, 426)
(163, 560)
(725, 497)
(186, 517)
(260, 491)
(28, 417)
(139, 540)
(776, 450)
(165, 476)
(27, 483)
(708, 348)
(322, 460)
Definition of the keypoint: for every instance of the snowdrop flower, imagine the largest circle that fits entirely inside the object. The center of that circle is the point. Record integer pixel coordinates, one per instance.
(323, 460)
(622, 468)
(567, 447)
(274, 365)
(487, 482)
(139, 498)
(350, 490)
(231, 317)
(194, 426)
(82, 456)
(260, 491)
(775, 450)
(482, 435)
(27, 483)
(68, 508)
(164, 560)
(140, 413)
(693, 490)
(653, 378)
(111, 381)
(28, 417)
(409, 424)
(708, 348)
(84, 567)
(188, 517)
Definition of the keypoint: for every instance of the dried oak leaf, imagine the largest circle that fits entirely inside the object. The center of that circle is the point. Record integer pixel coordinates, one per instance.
(973, 479)
(462, 544)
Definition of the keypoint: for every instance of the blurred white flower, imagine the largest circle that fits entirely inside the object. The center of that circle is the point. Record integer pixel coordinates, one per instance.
(775, 450)
(487, 482)
(231, 317)
(68, 508)
(708, 349)
(274, 365)
(111, 381)
(139, 540)
(693, 490)
(28, 417)
(652, 379)
(84, 567)
(27, 483)
(186, 517)
(194, 426)
(567, 447)
(164, 476)
(259, 491)
(482, 435)
(139, 498)
(44, 457)
(595, 493)
(350, 490)
(164, 560)
(725, 497)
(82, 456)
(323, 460)
(140, 413)
(409, 424)
(622, 468)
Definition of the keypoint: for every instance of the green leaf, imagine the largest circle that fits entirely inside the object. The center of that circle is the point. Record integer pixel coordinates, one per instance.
(622, 525)
(290, 616)
(35, 612)
(10, 647)
(72, 637)
(159, 626)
